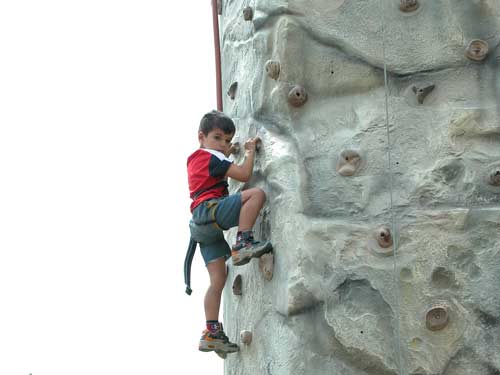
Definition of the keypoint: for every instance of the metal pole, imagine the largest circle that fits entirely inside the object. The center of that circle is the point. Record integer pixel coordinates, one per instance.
(218, 74)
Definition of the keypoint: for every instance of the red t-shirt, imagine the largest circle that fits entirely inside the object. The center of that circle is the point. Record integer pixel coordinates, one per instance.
(206, 168)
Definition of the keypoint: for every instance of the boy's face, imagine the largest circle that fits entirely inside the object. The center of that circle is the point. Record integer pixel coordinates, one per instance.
(216, 140)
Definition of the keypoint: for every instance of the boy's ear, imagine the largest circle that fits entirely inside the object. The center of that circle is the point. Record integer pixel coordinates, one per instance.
(201, 137)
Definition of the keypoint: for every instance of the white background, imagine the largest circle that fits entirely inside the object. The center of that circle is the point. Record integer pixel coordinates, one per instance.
(100, 102)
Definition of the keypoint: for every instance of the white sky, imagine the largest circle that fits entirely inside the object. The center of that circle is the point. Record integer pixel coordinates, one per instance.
(100, 101)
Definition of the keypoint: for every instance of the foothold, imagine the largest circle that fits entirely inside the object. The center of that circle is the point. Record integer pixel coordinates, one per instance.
(266, 266)
(437, 317)
(408, 5)
(237, 290)
(246, 337)
(348, 163)
(421, 91)
(248, 14)
(297, 96)
(477, 50)
(384, 237)
(235, 148)
(221, 354)
(219, 7)
(232, 90)
(273, 68)
(495, 177)
(415, 343)
(406, 274)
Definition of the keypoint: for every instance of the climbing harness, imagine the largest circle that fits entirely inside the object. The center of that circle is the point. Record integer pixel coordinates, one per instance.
(188, 260)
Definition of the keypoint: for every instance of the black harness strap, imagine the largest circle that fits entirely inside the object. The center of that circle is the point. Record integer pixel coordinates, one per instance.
(187, 265)
(217, 185)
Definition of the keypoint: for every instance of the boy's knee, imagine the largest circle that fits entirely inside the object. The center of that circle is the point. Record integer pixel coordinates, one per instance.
(261, 195)
(217, 282)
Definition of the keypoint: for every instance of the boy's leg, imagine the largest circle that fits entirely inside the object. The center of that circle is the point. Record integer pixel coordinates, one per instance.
(217, 273)
(252, 201)
(214, 338)
(246, 247)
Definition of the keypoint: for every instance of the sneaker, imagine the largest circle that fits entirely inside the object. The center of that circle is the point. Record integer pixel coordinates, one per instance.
(217, 342)
(247, 248)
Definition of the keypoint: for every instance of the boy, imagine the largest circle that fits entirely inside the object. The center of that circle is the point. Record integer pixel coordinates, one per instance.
(214, 211)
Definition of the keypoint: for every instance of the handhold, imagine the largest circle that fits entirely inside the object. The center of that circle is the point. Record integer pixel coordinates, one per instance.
(348, 163)
(235, 148)
(495, 177)
(248, 14)
(266, 266)
(408, 5)
(477, 50)
(219, 7)
(436, 317)
(246, 337)
(422, 90)
(297, 96)
(237, 286)
(232, 90)
(273, 68)
(258, 145)
(384, 237)
(380, 241)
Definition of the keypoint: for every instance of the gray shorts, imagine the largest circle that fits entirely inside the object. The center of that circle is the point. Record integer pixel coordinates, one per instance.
(213, 245)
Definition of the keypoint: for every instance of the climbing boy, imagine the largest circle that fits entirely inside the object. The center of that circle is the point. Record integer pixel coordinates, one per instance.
(214, 211)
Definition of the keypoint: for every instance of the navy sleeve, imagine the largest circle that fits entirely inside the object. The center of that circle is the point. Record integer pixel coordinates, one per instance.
(217, 167)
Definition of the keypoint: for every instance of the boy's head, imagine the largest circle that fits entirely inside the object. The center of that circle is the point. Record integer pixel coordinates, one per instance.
(216, 131)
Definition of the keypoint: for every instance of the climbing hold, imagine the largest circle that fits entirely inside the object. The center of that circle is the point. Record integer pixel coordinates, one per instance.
(246, 337)
(258, 145)
(266, 266)
(221, 354)
(219, 7)
(235, 148)
(383, 236)
(237, 286)
(408, 5)
(437, 317)
(477, 50)
(297, 96)
(422, 90)
(495, 177)
(248, 14)
(232, 90)
(273, 69)
(415, 343)
(406, 274)
(348, 162)
(380, 241)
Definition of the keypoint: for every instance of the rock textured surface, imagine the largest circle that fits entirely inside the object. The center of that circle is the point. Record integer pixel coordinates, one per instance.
(358, 159)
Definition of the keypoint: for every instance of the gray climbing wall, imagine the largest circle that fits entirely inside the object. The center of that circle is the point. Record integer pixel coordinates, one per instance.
(383, 189)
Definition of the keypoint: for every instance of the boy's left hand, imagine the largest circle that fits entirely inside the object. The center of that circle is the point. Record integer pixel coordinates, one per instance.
(251, 144)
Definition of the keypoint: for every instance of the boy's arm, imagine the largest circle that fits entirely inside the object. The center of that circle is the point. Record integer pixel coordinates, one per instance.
(244, 171)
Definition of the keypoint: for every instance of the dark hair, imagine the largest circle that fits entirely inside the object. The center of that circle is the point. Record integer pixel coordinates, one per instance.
(216, 120)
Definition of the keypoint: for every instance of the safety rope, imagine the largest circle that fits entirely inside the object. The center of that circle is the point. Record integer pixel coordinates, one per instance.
(393, 222)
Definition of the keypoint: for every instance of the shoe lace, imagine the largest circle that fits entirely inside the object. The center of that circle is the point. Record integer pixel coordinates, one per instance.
(221, 334)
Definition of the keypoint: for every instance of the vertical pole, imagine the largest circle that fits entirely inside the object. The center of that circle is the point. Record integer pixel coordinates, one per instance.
(218, 74)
